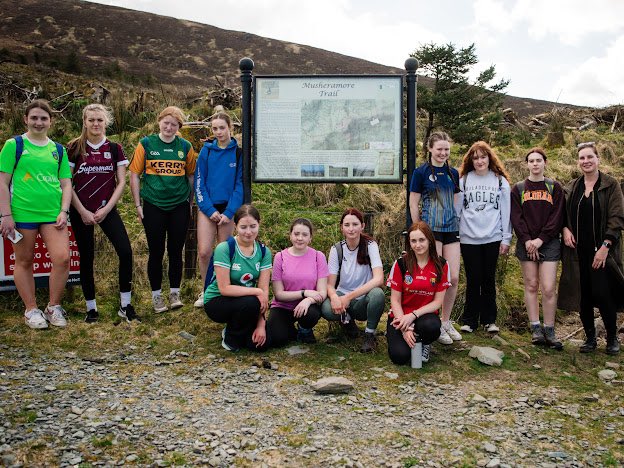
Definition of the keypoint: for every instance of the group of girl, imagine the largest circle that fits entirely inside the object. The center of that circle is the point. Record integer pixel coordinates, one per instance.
(467, 213)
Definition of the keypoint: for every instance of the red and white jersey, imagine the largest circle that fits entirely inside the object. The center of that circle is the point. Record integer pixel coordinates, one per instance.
(419, 286)
(95, 174)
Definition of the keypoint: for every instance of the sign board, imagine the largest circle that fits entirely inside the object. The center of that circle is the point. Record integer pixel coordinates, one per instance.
(42, 264)
(328, 129)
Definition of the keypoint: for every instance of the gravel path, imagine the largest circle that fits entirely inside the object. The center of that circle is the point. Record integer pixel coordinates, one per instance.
(133, 409)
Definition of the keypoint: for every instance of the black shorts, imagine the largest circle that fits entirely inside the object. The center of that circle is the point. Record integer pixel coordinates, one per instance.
(446, 237)
(220, 207)
(548, 252)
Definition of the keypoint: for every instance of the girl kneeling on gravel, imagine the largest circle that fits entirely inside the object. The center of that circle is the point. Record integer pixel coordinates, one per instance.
(355, 280)
(299, 286)
(418, 283)
(238, 292)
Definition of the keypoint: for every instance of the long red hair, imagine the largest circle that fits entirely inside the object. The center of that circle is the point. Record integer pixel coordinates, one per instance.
(495, 164)
(410, 256)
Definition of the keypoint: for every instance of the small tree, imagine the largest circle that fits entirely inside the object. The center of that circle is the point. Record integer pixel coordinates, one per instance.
(465, 109)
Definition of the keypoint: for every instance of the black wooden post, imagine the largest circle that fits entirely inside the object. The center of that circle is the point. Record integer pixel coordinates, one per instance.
(246, 66)
(411, 79)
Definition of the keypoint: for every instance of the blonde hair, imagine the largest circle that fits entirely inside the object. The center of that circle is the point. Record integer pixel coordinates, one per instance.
(174, 112)
(78, 146)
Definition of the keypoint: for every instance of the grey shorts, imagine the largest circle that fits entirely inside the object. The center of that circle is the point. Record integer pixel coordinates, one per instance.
(548, 252)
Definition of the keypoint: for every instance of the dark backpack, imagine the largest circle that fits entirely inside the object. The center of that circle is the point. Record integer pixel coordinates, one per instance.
(210, 276)
(550, 186)
(19, 149)
(403, 266)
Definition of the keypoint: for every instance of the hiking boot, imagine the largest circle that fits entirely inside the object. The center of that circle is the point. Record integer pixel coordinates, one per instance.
(426, 352)
(551, 340)
(466, 328)
(350, 329)
(537, 335)
(444, 337)
(450, 331)
(92, 316)
(306, 335)
(613, 346)
(369, 344)
(200, 301)
(491, 328)
(159, 304)
(34, 319)
(224, 345)
(55, 315)
(174, 301)
(589, 346)
(128, 313)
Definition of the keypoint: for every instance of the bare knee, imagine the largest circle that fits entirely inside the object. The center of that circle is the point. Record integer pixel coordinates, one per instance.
(549, 293)
(531, 286)
(204, 254)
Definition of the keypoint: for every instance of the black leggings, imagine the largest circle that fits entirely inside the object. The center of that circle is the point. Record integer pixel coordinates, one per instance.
(171, 225)
(595, 291)
(113, 227)
(240, 314)
(427, 327)
(281, 323)
(480, 266)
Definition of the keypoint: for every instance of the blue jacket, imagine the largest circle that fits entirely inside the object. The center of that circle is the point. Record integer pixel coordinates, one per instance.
(218, 179)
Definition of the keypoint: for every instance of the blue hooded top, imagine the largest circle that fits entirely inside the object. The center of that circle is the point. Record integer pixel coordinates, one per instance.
(218, 178)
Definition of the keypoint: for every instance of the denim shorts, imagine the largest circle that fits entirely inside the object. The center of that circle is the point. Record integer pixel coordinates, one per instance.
(548, 252)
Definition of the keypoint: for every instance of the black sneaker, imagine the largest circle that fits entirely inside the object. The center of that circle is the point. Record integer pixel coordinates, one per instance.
(589, 346)
(613, 346)
(350, 329)
(370, 343)
(128, 313)
(92, 316)
(306, 336)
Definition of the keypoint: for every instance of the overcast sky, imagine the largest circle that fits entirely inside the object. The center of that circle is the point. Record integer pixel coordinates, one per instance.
(570, 51)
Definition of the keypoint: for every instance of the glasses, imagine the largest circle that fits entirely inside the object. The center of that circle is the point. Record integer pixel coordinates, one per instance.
(587, 144)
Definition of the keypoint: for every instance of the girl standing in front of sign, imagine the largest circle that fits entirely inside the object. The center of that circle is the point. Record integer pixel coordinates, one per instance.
(238, 290)
(218, 190)
(161, 174)
(537, 205)
(418, 282)
(484, 230)
(99, 179)
(35, 194)
(355, 280)
(434, 187)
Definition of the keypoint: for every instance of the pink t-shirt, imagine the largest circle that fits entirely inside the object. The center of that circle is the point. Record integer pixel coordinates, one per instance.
(298, 272)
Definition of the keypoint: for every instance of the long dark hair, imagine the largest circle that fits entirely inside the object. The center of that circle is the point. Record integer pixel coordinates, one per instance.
(362, 256)
(410, 256)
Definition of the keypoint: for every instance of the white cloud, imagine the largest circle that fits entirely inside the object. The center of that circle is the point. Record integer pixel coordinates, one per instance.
(599, 81)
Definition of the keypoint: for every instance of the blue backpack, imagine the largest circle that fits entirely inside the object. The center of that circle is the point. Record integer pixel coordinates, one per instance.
(210, 276)
(19, 149)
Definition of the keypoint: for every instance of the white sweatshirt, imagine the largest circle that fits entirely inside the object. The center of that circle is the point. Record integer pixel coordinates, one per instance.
(484, 208)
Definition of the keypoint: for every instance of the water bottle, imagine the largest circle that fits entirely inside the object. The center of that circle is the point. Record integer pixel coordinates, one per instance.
(417, 355)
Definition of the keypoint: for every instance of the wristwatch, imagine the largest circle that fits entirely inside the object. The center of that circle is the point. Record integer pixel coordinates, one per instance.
(606, 244)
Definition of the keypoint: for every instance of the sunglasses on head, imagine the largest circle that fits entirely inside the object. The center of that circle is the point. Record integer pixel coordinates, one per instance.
(587, 144)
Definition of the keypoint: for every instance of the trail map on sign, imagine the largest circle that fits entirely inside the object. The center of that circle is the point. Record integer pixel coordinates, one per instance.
(328, 129)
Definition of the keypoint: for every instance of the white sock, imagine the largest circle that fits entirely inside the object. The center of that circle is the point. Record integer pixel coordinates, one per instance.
(446, 323)
(174, 290)
(368, 330)
(158, 292)
(536, 323)
(126, 298)
(91, 305)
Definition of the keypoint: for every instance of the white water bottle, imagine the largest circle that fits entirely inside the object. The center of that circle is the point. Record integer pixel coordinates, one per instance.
(417, 355)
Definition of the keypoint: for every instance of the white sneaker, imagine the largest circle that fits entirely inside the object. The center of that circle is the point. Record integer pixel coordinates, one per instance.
(159, 304)
(34, 319)
(200, 301)
(450, 330)
(174, 301)
(444, 338)
(426, 352)
(55, 315)
(466, 328)
(491, 328)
